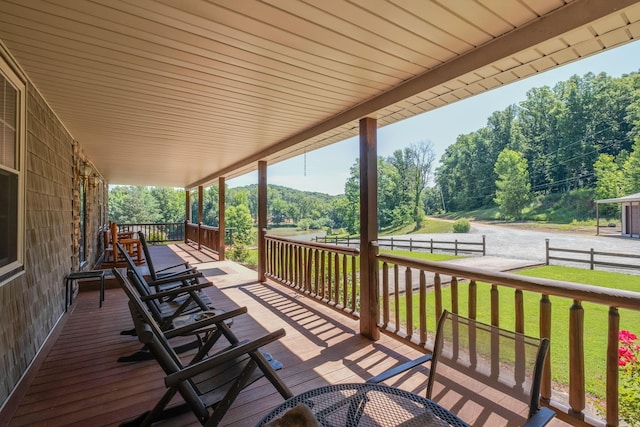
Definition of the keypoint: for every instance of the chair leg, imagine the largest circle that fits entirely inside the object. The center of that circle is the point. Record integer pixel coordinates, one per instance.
(223, 406)
(158, 412)
(264, 363)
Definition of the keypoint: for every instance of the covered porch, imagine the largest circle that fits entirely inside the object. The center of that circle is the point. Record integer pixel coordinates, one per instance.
(196, 93)
(77, 380)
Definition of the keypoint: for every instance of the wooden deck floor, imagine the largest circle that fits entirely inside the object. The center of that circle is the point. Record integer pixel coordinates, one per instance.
(81, 383)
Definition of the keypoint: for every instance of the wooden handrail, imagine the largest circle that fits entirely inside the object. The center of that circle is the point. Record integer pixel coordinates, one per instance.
(596, 294)
(317, 269)
(206, 236)
(168, 231)
(343, 250)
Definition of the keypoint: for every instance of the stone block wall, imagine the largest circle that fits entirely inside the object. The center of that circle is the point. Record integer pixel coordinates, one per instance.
(32, 304)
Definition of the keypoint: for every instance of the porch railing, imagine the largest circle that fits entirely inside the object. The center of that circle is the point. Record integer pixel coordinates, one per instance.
(157, 232)
(325, 272)
(437, 285)
(413, 294)
(205, 236)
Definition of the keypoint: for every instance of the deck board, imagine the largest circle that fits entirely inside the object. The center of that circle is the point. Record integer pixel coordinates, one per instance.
(81, 383)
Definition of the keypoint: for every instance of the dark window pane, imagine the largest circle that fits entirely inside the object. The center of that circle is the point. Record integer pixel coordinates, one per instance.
(8, 217)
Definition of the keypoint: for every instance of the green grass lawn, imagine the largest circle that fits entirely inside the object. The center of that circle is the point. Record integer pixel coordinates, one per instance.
(595, 317)
(421, 255)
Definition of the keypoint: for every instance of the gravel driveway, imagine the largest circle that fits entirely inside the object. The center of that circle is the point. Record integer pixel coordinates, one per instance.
(516, 243)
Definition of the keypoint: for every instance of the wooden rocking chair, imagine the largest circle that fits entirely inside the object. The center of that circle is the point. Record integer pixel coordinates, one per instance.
(165, 272)
(208, 384)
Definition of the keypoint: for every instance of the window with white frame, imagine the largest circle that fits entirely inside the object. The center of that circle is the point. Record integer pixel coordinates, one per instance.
(12, 113)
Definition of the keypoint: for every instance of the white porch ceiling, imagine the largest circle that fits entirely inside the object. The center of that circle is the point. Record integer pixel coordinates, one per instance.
(179, 92)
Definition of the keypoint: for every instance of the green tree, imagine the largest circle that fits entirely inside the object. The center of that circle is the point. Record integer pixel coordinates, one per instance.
(292, 212)
(633, 109)
(193, 199)
(632, 169)
(239, 221)
(133, 205)
(504, 132)
(609, 182)
(170, 202)
(339, 212)
(561, 131)
(239, 197)
(537, 115)
(414, 166)
(466, 176)
(352, 193)
(278, 211)
(210, 206)
(393, 206)
(513, 184)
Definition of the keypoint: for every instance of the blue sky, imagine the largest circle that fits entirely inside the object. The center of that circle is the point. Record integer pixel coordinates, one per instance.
(328, 168)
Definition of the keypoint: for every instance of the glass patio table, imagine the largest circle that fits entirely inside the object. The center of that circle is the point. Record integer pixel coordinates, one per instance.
(362, 404)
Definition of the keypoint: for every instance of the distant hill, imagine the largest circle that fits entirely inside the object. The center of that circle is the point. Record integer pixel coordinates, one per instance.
(286, 192)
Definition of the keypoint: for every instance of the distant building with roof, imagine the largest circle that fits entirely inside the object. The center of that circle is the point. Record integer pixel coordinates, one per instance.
(630, 213)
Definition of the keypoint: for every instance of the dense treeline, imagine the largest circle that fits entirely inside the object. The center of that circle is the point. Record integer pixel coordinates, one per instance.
(560, 132)
(146, 205)
(137, 204)
(402, 182)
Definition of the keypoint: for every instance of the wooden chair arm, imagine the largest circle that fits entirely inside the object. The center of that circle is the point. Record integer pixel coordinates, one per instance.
(185, 265)
(224, 356)
(174, 292)
(175, 279)
(178, 275)
(192, 327)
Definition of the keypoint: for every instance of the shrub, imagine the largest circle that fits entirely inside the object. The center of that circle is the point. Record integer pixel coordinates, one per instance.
(304, 224)
(320, 223)
(542, 217)
(461, 226)
(252, 259)
(238, 253)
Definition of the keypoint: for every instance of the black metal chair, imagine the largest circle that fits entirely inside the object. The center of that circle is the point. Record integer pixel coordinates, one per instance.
(503, 360)
(209, 383)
